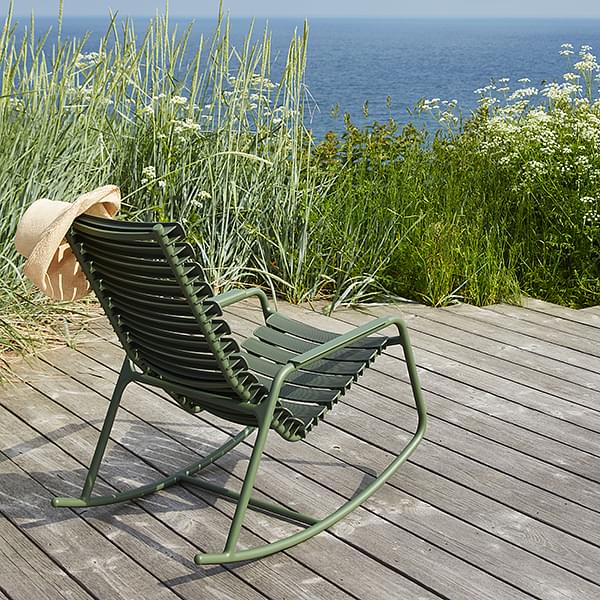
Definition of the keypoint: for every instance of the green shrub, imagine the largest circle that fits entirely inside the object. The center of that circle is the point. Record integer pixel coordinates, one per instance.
(481, 209)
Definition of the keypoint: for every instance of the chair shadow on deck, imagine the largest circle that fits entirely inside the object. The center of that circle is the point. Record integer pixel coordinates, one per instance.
(32, 502)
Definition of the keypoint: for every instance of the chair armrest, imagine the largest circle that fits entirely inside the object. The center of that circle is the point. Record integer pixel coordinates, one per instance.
(342, 341)
(232, 296)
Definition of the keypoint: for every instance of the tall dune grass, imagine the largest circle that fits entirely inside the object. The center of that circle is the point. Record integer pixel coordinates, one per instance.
(481, 213)
(213, 143)
(210, 141)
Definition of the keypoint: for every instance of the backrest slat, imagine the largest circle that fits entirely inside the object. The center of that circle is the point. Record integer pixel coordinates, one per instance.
(154, 294)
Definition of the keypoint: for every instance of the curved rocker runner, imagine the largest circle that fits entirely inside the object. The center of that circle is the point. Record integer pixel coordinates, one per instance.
(285, 377)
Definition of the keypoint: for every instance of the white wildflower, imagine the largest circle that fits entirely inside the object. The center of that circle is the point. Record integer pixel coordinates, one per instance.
(523, 93)
(561, 91)
(181, 127)
(149, 172)
(566, 50)
(16, 104)
(587, 63)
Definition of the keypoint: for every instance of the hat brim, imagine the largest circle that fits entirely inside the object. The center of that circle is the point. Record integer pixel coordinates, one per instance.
(51, 266)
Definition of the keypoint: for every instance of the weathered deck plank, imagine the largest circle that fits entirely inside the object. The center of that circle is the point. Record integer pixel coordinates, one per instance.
(470, 581)
(561, 549)
(500, 500)
(554, 322)
(27, 572)
(593, 310)
(511, 318)
(170, 554)
(586, 318)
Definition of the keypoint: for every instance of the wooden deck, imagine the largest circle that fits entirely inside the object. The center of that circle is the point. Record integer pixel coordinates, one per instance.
(501, 501)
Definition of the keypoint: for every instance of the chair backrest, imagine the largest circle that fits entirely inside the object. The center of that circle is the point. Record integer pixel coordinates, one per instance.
(154, 293)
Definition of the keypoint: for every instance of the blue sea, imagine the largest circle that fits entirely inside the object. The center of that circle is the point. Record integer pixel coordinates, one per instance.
(355, 60)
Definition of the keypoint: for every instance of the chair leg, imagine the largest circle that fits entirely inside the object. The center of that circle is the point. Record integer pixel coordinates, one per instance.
(109, 419)
(230, 556)
(86, 499)
(246, 492)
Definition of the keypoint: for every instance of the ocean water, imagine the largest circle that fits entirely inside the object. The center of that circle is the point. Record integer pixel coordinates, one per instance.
(354, 60)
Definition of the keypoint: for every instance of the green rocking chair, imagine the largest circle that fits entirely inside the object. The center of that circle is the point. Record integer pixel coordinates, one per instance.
(285, 377)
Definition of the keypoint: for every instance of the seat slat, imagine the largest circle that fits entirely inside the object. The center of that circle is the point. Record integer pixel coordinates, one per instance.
(204, 361)
(303, 378)
(281, 356)
(125, 265)
(117, 236)
(144, 250)
(154, 301)
(156, 314)
(100, 226)
(183, 326)
(215, 386)
(302, 394)
(164, 313)
(288, 342)
(149, 345)
(319, 336)
(148, 285)
(168, 306)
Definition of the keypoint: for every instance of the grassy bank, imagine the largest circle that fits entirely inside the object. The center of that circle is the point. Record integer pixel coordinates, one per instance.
(483, 210)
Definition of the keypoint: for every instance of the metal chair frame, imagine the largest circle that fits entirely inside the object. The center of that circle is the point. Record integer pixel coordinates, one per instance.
(258, 415)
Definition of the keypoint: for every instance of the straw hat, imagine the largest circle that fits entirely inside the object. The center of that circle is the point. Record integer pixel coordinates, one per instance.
(51, 264)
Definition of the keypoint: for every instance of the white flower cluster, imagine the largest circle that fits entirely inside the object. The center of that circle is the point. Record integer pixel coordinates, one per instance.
(591, 217)
(198, 202)
(562, 91)
(566, 50)
(188, 125)
(588, 62)
(17, 104)
(179, 100)
(523, 93)
(442, 110)
(88, 59)
(148, 174)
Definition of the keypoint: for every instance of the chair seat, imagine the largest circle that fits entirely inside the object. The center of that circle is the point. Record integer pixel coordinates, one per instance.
(309, 393)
